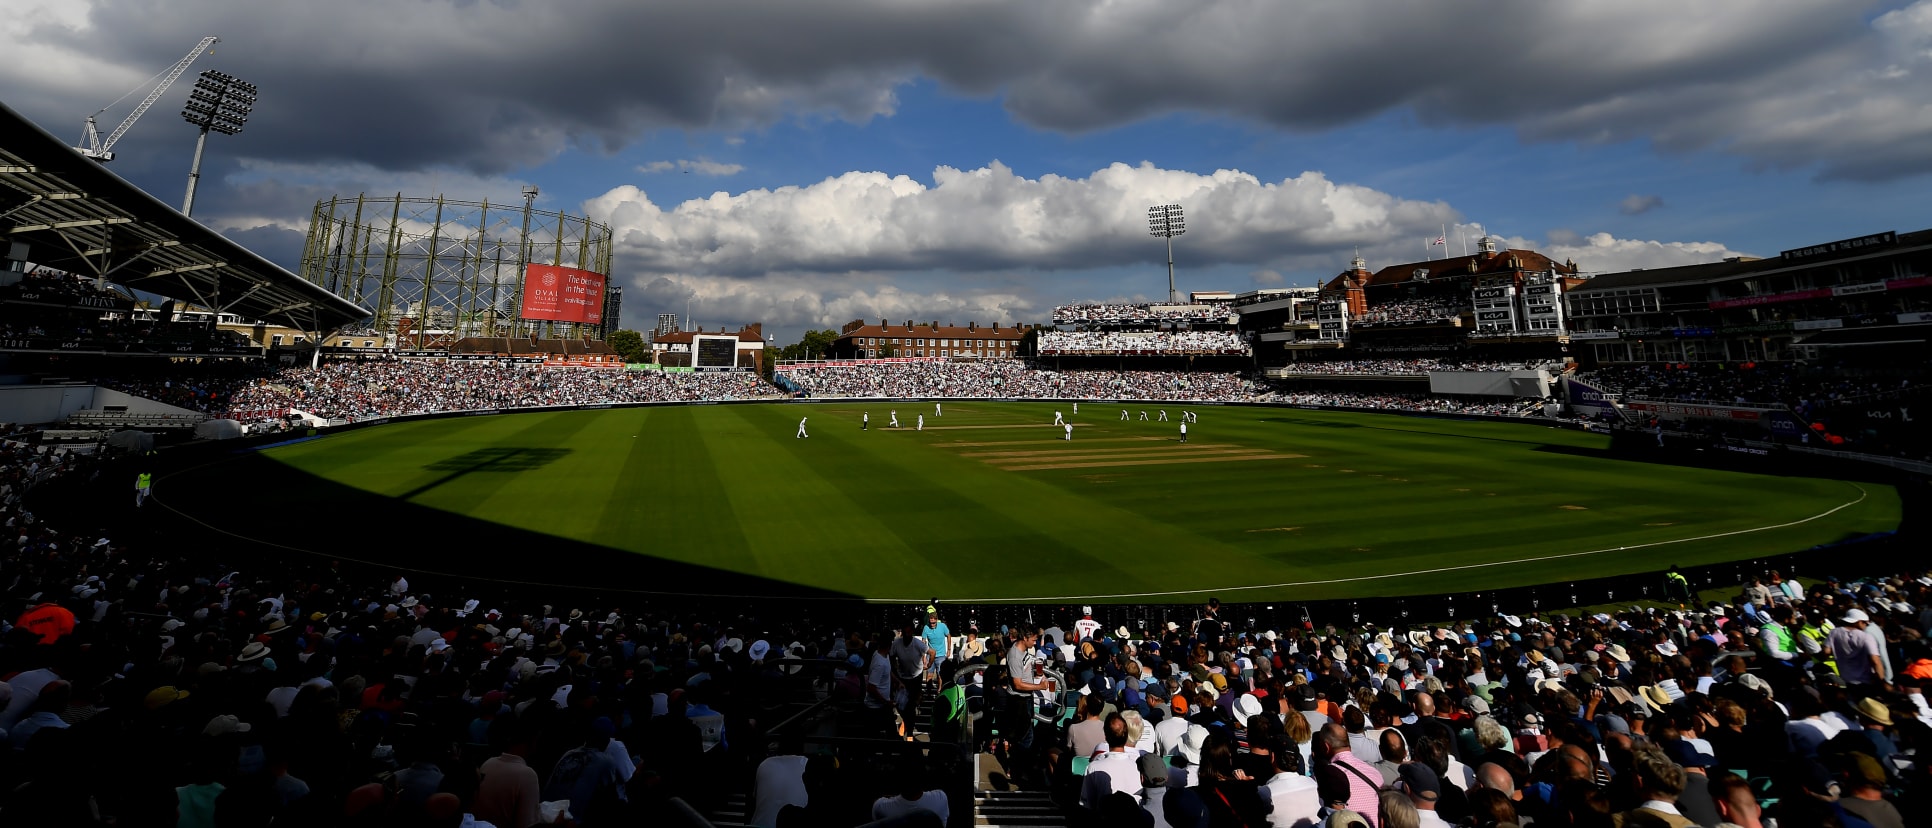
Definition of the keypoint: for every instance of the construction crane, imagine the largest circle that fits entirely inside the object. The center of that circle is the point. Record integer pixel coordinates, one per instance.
(103, 151)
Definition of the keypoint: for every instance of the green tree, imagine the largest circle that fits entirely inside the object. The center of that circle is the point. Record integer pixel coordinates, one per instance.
(771, 363)
(887, 350)
(818, 344)
(813, 345)
(630, 345)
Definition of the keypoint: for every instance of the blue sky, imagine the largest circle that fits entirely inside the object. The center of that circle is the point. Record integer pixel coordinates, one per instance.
(1623, 134)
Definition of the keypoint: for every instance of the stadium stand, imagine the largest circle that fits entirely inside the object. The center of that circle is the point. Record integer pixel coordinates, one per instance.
(1095, 343)
(1010, 379)
(144, 685)
(57, 313)
(1122, 313)
(361, 388)
(1410, 366)
(75, 216)
(1421, 403)
(1865, 406)
(1412, 310)
(146, 680)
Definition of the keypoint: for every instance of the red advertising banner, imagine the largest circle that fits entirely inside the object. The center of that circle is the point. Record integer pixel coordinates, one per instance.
(1771, 299)
(553, 293)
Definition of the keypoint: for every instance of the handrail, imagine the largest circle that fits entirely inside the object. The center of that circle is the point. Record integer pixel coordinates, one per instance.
(812, 708)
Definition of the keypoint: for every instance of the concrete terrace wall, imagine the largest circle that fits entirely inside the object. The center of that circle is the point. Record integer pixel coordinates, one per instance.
(36, 404)
(104, 397)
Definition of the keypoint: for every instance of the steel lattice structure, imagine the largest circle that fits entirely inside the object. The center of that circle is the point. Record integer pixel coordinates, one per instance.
(458, 265)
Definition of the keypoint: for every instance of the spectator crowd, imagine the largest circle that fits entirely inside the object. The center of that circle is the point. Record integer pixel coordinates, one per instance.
(1421, 403)
(53, 287)
(1109, 313)
(50, 310)
(170, 681)
(1411, 366)
(1799, 703)
(1421, 309)
(143, 686)
(370, 388)
(1802, 387)
(1055, 343)
(1006, 378)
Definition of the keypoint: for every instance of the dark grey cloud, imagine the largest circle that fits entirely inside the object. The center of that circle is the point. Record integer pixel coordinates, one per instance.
(499, 86)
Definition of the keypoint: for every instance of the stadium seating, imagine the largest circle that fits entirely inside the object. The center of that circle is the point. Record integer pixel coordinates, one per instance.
(1411, 310)
(1409, 366)
(1137, 343)
(1142, 312)
(309, 694)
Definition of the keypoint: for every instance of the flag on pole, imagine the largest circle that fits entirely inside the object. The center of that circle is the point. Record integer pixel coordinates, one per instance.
(1441, 240)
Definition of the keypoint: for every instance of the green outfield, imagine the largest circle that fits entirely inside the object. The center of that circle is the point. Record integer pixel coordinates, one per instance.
(989, 503)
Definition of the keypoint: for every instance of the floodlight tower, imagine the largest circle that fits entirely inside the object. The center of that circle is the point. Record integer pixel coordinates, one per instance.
(1166, 221)
(220, 103)
(530, 193)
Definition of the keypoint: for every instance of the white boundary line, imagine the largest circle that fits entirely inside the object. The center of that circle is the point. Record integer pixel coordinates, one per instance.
(1862, 494)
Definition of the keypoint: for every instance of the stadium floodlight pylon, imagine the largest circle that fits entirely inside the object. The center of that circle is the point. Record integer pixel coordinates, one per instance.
(220, 102)
(1167, 221)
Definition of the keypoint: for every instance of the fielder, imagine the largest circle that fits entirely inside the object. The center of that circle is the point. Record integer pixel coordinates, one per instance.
(1123, 415)
(1056, 418)
(1163, 415)
(895, 418)
(1076, 408)
(935, 409)
(1143, 415)
(921, 426)
(801, 427)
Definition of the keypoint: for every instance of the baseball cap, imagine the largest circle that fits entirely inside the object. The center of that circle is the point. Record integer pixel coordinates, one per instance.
(1152, 769)
(1421, 781)
(224, 725)
(1856, 615)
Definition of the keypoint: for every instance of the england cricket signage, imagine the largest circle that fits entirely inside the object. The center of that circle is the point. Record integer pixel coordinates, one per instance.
(552, 293)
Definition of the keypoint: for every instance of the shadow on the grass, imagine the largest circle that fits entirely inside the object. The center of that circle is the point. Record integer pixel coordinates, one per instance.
(247, 506)
(496, 459)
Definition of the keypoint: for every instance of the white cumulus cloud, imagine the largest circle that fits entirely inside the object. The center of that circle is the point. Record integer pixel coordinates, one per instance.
(789, 303)
(992, 218)
(1604, 253)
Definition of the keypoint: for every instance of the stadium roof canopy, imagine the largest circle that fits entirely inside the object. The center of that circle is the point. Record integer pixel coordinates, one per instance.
(76, 216)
